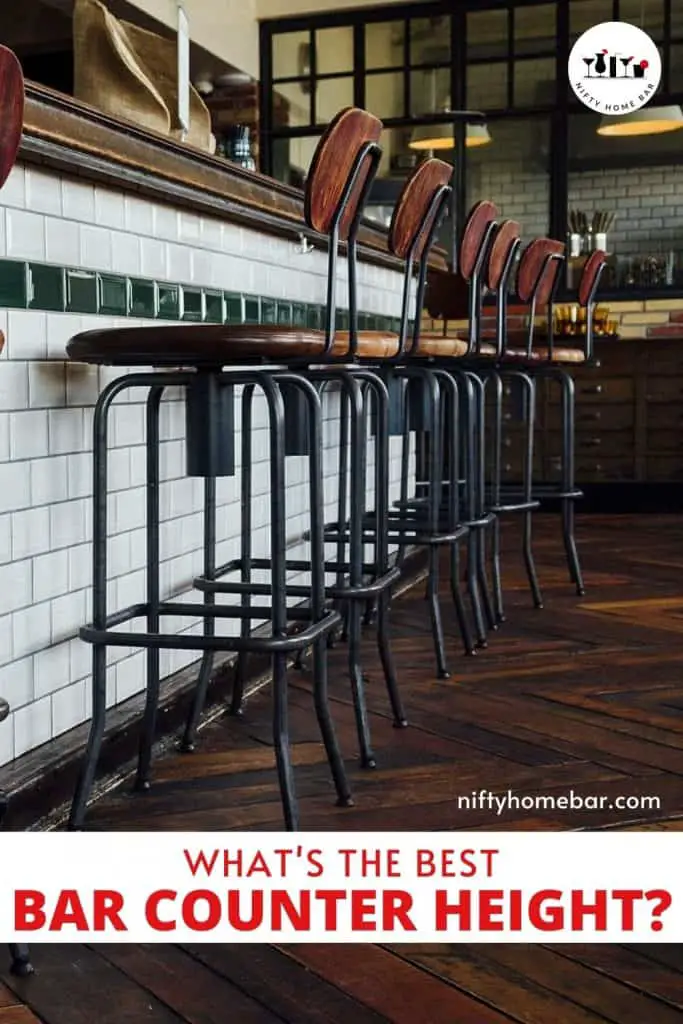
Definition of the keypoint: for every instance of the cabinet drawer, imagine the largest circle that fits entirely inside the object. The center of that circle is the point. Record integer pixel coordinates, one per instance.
(592, 469)
(596, 469)
(667, 359)
(590, 418)
(604, 389)
(607, 445)
(665, 468)
(665, 441)
(663, 416)
(665, 389)
(615, 358)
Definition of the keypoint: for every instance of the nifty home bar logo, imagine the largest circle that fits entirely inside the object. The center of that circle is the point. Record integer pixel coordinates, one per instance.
(614, 68)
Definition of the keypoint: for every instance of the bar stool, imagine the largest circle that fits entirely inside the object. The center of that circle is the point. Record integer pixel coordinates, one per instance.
(455, 358)
(20, 957)
(347, 365)
(535, 281)
(552, 361)
(427, 401)
(341, 172)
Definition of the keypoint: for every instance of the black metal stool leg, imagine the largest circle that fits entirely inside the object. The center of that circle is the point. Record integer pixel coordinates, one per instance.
(529, 390)
(381, 397)
(152, 696)
(433, 394)
(20, 965)
(99, 653)
(317, 543)
(452, 419)
(489, 611)
(497, 471)
(241, 671)
(342, 497)
(189, 739)
(357, 508)
(470, 461)
(278, 558)
(568, 485)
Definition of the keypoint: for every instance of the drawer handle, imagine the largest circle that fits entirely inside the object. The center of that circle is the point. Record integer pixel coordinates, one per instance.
(590, 442)
(589, 417)
(595, 390)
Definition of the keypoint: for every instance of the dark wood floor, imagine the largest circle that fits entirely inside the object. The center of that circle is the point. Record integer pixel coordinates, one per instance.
(583, 696)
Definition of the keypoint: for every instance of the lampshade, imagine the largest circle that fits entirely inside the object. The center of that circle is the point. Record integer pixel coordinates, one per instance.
(646, 121)
(442, 136)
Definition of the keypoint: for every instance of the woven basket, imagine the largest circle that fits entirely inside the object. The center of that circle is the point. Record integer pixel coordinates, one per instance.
(131, 73)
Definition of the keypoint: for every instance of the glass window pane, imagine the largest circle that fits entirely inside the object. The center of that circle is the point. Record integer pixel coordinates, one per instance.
(536, 29)
(676, 70)
(291, 55)
(648, 16)
(535, 82)
(430, 91)
(397, 159)
(292, 158)
(513, 171)
(430, 40)
(677, 21)
(584, 14)
(331, 94)
(333, 50)
(487, 34)
(384, 94)
(487, 86)
(384, 42)
(292, 104)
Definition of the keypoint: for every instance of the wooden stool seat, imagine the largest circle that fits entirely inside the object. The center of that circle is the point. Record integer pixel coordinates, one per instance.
(541, 354)
(215, 345)
(439, 347)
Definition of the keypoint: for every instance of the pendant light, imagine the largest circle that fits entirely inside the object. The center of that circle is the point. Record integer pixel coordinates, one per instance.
(442, 136)
(445, 136)
(647, 120)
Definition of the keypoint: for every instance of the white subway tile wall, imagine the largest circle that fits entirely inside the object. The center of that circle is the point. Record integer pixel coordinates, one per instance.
(647, 203)
(46, 410)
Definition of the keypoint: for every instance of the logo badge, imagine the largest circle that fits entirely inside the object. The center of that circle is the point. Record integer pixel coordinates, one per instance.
(614, 68)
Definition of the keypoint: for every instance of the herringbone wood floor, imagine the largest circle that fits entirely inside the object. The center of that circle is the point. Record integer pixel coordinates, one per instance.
(584, 695)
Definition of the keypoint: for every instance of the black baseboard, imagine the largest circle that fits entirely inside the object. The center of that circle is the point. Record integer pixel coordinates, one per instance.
(625, 498)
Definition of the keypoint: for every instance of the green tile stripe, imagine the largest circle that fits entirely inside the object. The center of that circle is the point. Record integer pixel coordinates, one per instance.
(43, 286)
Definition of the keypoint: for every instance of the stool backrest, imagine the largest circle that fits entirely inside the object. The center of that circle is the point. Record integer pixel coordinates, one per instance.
(414, 224)
(539, 270)
(590, 276)
(342, 171)
(477, 233)
(501, 258)
(537, 281)
(11, 110)
(588, 286)
(474, 247)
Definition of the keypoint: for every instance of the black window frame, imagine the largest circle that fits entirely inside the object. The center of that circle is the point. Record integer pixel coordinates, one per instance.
(560, 106)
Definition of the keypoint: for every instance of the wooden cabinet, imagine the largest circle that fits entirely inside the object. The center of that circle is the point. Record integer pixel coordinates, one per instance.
(629, 417)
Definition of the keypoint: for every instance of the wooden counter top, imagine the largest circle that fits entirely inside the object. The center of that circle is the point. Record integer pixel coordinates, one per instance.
(76, 139)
